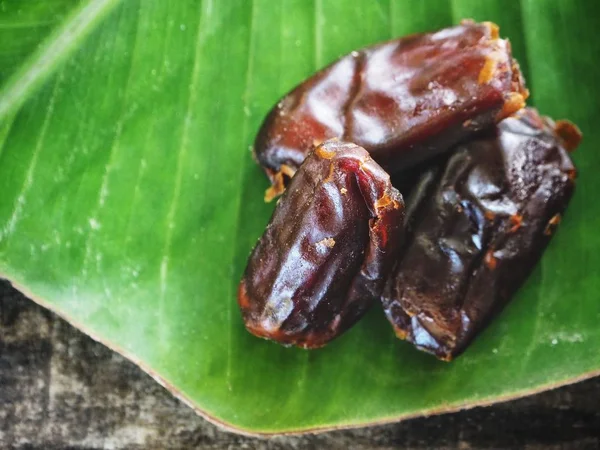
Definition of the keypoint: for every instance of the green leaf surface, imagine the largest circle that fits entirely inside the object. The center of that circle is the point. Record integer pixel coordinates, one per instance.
(130, 201)
(24, 25)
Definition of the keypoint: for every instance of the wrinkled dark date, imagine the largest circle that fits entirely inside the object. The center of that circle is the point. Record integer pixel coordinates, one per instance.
(476, 226)
(403, 100)
(325, 255)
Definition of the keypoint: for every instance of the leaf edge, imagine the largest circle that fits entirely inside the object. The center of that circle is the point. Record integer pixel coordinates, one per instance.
(243, 431)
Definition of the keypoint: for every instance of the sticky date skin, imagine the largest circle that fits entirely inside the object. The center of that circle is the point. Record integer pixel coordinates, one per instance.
(476, 226)
(327, 250)
(403, 100)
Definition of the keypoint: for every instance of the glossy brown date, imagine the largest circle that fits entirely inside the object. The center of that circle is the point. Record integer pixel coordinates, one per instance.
(403, 100)
(327, 250)
(476, 226)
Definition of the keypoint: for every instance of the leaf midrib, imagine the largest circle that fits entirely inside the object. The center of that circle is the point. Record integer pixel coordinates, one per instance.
(51, 53)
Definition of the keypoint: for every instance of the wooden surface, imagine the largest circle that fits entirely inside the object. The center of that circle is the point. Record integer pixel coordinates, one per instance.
(59, 389)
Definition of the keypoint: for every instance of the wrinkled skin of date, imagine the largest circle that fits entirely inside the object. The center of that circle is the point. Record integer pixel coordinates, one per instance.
(403, 100)
(325, 255)
(476, 226)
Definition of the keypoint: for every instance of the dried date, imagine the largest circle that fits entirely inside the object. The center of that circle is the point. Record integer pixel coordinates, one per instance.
(403, 100)
(476, 226)
(327, 250)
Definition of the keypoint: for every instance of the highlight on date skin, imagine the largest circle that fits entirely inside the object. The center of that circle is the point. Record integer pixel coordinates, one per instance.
(404, 100)
(327, 250)
(477, 225)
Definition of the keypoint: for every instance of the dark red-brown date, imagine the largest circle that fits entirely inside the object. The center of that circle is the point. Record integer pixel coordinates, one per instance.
(403, 100)
(327, 250)
(476, 226)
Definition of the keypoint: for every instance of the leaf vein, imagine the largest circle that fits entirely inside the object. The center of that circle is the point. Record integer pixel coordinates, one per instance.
(238, 218)
(29, 177)
(103, 193)
(184, 144)
(51, 53)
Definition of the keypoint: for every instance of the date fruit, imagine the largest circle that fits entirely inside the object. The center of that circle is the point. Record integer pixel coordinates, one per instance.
(476, 226)
(327, 250)
(403, 101)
